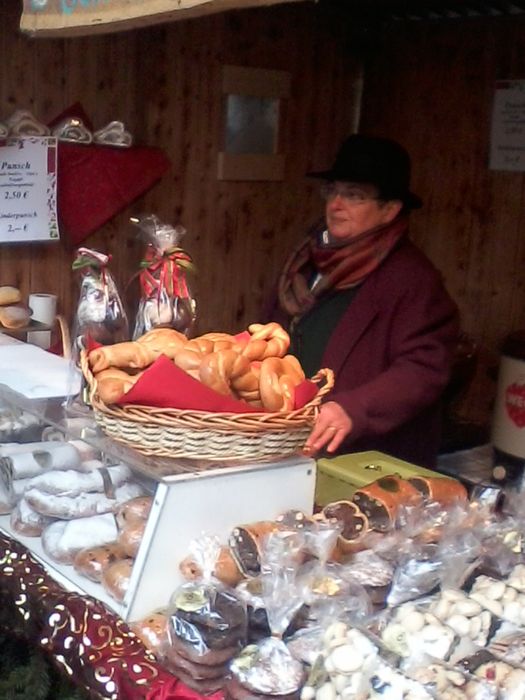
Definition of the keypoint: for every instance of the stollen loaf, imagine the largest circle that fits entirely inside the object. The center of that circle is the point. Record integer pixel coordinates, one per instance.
(82, 506)
(27, 521)
(63, 540)
(73, 483)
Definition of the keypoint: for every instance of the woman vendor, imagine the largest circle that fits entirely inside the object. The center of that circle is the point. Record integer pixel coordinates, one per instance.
(363, 300)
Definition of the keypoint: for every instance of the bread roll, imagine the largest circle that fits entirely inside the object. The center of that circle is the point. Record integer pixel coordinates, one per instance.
(113, 383)
(14, 316)
(153, 632)
(134, 510)
(116, 577)
(92, 562)
(9, 295)
(132, 355)
(130, 538)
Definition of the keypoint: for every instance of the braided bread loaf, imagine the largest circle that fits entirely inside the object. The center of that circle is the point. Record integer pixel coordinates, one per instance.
(254, 369)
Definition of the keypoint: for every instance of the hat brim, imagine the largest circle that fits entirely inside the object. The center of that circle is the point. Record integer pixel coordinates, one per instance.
(409, 199)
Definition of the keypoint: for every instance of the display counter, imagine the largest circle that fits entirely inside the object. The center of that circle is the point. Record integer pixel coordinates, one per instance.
(75, 619)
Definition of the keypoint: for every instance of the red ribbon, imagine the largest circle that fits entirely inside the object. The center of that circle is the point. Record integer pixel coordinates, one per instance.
(165, 272)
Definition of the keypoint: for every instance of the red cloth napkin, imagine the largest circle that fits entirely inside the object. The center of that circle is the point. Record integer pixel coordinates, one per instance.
(175, 690)
(164, 385)
(95, 182)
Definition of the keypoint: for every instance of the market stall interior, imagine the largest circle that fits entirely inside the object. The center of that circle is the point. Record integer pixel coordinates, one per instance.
(136, 523)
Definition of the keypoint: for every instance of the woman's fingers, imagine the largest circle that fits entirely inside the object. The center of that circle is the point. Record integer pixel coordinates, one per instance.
(331, 427)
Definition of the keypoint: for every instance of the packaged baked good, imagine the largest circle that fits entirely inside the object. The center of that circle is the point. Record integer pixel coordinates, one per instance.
(166, 298)
(134, 510)
(225, 569)
(267, 668)
(245, 542)
(353, 525)
(27, 521)
(207, 624)
(418, 572)
(372, 572)
(116, 577)
(62, 540)
(153, 632)
(93, 561)
(19, 426)
(383, 500)
(130, 538)
(323, 582)
(100, 315)
(446, 682)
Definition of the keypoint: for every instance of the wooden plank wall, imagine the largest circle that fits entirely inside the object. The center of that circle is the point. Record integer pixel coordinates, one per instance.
(165, 84)
(430, 85)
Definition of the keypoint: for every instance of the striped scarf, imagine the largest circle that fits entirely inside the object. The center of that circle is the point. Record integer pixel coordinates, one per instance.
(317, 265)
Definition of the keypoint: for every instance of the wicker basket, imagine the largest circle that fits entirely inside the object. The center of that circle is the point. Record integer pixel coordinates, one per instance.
(169, 432)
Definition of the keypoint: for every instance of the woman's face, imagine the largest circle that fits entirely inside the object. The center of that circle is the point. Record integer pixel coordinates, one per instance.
(353, 208)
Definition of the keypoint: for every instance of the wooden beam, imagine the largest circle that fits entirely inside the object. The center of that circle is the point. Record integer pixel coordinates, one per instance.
(64, 18)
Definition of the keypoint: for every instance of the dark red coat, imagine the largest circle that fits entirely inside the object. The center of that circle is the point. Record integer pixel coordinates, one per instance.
(391, 354)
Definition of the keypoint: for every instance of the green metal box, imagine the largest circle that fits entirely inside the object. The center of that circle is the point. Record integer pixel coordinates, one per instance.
(339, 477)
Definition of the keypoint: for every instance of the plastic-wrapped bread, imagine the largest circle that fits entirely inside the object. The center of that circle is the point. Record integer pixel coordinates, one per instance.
(382, 500)
(130, 538)
(56, 455)
(153, 632)
(116, 577)
(84, 505)
(63, 540)
(440, 489)
(26, 521)
(92, 562)
(74, 483)
(136, 509)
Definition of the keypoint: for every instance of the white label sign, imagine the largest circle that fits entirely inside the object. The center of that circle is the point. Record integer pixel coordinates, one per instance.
(507, 143)
(28, 184)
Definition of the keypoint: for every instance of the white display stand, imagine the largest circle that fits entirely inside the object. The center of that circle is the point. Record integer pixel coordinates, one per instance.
(211, 503)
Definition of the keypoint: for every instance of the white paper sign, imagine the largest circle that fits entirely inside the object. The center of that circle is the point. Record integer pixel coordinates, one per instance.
(28, 184)
(507, 143)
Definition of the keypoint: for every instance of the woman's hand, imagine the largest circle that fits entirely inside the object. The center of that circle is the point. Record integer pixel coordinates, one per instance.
(333, 424)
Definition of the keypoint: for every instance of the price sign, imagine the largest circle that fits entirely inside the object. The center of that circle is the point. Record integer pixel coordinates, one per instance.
(28, 179)
(507, 143)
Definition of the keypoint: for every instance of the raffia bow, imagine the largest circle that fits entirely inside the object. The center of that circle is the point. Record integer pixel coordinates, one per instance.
(166, 271)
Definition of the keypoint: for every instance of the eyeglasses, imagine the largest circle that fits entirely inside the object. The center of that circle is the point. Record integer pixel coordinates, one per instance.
(330, 190)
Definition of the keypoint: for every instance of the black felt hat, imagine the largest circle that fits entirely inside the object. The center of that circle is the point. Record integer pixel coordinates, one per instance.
(377, 161)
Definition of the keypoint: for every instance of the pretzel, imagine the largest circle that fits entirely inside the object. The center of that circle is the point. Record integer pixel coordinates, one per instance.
(225, 370)
(267, 340)
(277, 382)
(130, 354)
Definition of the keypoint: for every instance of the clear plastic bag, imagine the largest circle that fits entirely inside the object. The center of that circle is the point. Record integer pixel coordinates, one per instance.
(166, 297)
(324, 582)
(268, 666)
(418, 573)
(207, 624)
(100, 315)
